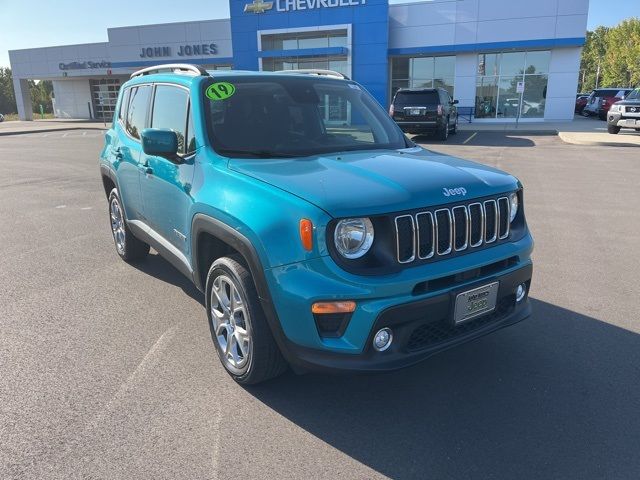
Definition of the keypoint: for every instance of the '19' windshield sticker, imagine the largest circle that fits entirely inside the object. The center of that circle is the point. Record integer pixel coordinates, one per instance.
(220, 90)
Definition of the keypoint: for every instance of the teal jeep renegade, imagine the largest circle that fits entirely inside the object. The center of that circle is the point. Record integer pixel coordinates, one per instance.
(321, 237)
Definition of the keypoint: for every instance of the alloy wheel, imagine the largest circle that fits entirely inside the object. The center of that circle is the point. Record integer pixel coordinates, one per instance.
(117, 225)
(230, 324)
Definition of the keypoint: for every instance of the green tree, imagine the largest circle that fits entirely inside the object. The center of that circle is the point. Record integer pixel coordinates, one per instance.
(593, 54)
(621, 66)
(41, 93)
(611, 56)
(7, 96)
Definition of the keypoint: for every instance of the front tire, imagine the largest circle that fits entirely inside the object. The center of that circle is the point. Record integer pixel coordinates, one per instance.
(128, 247)
(613, 129)
(238, 325)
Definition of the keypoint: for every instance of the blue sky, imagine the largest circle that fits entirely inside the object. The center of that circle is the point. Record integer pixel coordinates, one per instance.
(39, 23)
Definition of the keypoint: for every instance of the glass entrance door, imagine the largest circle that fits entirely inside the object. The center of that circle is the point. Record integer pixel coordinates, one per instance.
(104, 96)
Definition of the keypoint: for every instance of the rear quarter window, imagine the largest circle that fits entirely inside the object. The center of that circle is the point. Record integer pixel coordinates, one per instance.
(137, 111)
(124, 101)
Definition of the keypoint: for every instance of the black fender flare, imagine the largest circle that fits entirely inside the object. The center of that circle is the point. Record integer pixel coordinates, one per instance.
(205, 224)
(106, 171)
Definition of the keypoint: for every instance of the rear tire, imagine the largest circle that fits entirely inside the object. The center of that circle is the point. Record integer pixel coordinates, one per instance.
(613, 129)
(127, 245)
(443, 133)
(602, 116)
(454, 130)
(239, 329)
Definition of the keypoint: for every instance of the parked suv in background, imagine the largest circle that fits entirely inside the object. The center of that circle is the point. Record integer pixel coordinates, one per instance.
(625, 113)
(601, 99)
(318, 242)
(425, 110)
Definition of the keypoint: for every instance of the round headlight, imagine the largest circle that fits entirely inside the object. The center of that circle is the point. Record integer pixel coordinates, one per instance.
(353, 237)
(513, 206)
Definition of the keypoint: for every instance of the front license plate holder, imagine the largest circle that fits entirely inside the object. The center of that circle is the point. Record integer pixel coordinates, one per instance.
(475, 302)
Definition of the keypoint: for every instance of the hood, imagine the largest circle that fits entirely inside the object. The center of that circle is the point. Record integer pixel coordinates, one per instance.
(633, 101)
(373, 182)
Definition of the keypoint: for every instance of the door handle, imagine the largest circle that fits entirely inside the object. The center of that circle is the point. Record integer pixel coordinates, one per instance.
(118, 153)
(146, 169)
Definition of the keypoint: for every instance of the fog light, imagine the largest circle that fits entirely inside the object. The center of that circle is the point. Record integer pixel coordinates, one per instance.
(383, 339)
(520, 292)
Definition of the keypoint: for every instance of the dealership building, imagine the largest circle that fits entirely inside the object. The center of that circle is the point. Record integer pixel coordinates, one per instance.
(488, 54)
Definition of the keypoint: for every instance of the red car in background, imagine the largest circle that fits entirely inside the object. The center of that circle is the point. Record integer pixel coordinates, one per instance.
(581, 102)
(601, 100)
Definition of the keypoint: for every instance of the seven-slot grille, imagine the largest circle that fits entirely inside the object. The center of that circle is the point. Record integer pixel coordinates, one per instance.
(445, 230)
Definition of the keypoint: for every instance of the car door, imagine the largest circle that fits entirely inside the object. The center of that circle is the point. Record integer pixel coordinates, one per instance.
(127, 150)
(166, 184)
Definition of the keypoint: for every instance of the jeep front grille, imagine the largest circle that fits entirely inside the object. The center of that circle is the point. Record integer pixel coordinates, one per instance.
(442, 231)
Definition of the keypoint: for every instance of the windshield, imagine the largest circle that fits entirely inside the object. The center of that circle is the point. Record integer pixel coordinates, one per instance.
(295, 115)
(634, 95)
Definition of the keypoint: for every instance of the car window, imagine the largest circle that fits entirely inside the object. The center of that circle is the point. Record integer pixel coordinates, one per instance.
(170, 111)
(137, 111)
(295, 115)
(634, 95)
(123, 105)
(417, 98)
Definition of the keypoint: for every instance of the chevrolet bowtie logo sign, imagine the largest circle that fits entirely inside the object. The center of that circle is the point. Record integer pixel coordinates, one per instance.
(258, 6)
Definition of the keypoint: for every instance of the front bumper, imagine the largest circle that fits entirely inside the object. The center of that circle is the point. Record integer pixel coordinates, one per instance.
(616, 119)
(397, 301)
(421, 329)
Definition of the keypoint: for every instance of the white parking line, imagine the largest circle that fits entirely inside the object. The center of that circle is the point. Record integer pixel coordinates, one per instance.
(468, 139)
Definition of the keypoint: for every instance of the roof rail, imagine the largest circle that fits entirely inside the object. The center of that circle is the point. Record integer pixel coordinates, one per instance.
(171, 67)
(316, 71)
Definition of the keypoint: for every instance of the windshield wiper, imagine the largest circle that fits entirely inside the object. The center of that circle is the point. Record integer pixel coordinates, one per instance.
(256, 153)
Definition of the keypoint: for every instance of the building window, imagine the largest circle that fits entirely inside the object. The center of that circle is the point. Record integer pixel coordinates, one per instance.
(423, 72)
(217, 67)
(337, 63)
(302, 40)
(497, 80)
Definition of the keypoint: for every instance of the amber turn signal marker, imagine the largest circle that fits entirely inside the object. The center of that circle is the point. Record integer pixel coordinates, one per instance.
(333, 307)
(306, 234)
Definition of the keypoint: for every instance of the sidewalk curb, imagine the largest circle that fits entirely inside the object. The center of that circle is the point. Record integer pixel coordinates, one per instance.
(549, 131)
(51, 130)
(568, 139)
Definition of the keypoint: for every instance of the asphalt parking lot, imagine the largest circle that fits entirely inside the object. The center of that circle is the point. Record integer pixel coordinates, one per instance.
(107, 370)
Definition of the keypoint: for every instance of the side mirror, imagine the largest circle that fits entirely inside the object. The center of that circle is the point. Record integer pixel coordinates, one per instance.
(454, 102)
(160, 143)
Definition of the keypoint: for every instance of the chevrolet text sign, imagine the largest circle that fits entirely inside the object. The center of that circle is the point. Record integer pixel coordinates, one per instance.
(260, 6)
